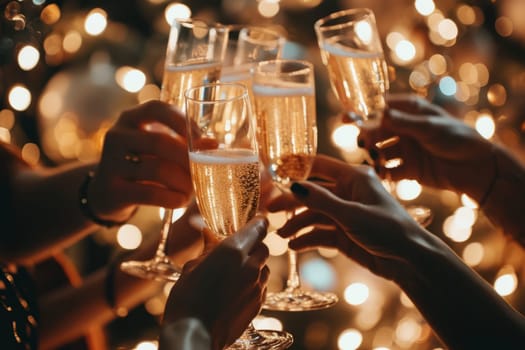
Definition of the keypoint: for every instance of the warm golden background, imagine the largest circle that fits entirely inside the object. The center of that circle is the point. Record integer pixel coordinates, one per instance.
(69, 67)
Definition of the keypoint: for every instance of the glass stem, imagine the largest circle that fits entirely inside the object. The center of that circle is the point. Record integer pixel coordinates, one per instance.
(293, 282)
(164, 232)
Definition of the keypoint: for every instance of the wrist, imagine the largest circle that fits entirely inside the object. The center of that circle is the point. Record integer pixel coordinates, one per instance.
(505, 198)
(86, 205)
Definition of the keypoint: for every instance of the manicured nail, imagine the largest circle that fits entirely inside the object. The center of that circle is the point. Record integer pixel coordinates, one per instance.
(299, 189)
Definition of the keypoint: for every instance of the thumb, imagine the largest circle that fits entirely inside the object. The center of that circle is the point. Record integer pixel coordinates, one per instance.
(322, 200)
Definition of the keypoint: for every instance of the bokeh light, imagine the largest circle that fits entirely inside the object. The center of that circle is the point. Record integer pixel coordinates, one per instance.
(176, 10)
(129, 236)
(356, 293)
(28, 57)
(96, 22)
(19, 97)
(349, 339)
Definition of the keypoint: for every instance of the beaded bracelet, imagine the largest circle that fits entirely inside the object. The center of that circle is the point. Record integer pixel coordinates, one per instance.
(86, 208)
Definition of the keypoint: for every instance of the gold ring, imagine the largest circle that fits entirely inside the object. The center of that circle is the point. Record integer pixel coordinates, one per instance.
(132, 158)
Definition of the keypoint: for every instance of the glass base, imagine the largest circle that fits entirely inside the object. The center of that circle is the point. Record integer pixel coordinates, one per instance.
(422, 215)
(262, 340)
(156, 269)
(299, 300)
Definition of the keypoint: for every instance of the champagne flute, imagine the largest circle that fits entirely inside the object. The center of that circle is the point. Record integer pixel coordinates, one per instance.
(193, 56)
(225, 171)
(352, 52)
(284, 93)
(248, 45)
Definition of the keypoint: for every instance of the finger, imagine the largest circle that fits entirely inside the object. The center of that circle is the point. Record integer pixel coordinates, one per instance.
(302, 220)
(154, 144)
(315, 238)
(414, 104)
(282, 203)
(210, 240)
(148, 194)
(251, 234)
(329, 168)
(154, 111)
(320, 199)
(161, 173)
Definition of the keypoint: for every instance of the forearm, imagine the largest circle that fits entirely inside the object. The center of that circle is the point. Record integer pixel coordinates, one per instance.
(462, 308)
(505, 198)
(70, 312)
(47, 215)
(185, 334)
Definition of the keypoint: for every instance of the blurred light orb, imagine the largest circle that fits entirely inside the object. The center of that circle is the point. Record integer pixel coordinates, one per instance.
(506, 283)
(28, 57)
(466, 216)
(356, 293)
(408, 330)
(50, 14)
(408, 189)
(276, 244)
(447, 86)
(437, 64)
(497, 95)
(146, 345)
(473, 253)
(129, 237)
(96, 22)
(30, 153)
(485, 125)
(425, 7)
(456, 230)
(405, 50)
(176, 10)
(19, 97)
(448, 29)
(39, 2)
(268, 8)
(349, 339)
(318, 273)
(345, 137)
(468, 202)
(504, 26)
(393, 38)
(364, 31)
(466, 14)
(5, 135)
(72, 41)
(130, 79)
(272, 323)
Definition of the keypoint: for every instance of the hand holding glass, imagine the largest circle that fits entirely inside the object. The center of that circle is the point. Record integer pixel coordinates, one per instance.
(193, 56)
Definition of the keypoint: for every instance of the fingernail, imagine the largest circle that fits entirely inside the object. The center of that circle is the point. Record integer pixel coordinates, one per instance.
(373, 154)
(299, 189)
(361, 143)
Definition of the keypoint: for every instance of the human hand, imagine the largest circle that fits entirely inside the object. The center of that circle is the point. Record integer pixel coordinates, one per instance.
(352, 212)
(436, 149)
(225, 288)
(140, 166)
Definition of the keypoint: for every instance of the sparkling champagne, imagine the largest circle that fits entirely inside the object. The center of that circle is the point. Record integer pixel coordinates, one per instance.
(359, 79)
(226, 183)
(178, 78)
(286, 130)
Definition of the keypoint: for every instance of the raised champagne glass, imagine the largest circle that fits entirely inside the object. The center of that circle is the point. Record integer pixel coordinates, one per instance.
(194, 56)
(284, 92)
(225, 171)
(353, 55)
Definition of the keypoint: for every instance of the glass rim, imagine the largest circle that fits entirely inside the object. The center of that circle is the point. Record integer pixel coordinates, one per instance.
(199, 23)
(242, 87)
(321, 24)
(308, 67)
